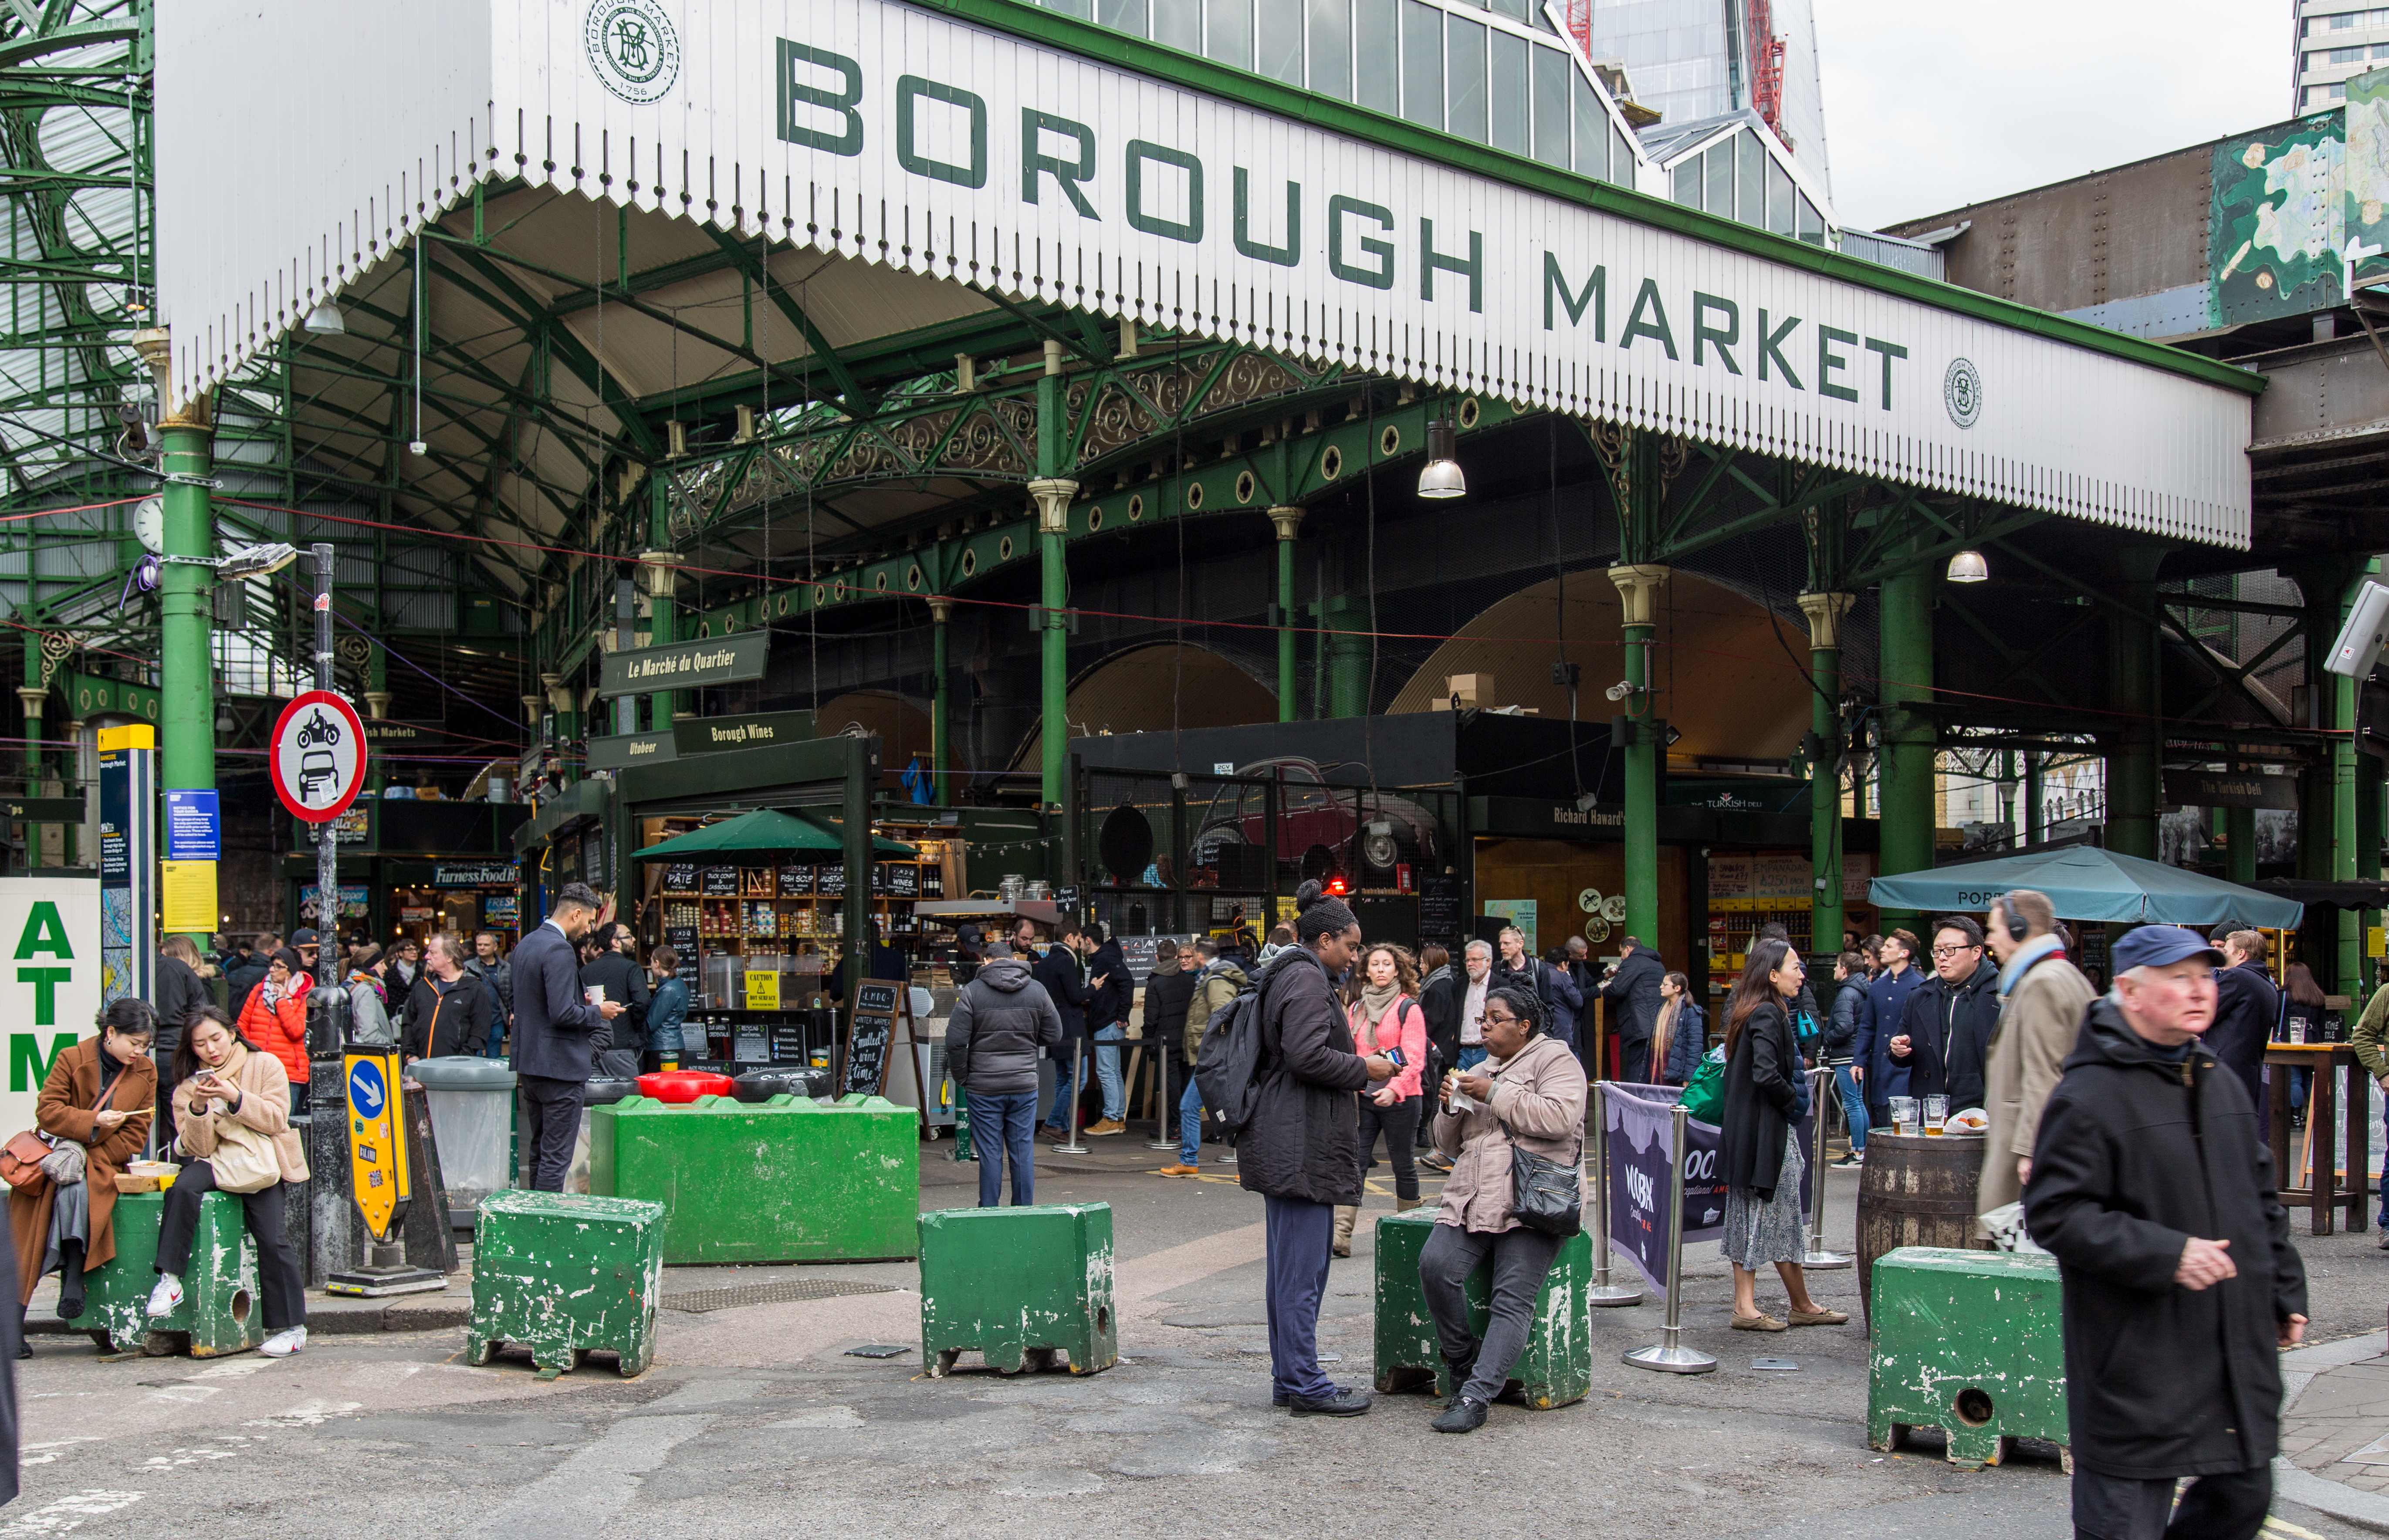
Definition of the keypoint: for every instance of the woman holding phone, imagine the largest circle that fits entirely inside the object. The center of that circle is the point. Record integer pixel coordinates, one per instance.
(1381, 1009)
(1758, 1142)
(232, 1103)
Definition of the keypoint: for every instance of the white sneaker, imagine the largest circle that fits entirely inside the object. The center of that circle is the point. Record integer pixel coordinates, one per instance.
(165, 1299)
(282, 1344)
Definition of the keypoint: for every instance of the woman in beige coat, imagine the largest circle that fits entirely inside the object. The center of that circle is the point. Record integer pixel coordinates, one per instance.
(1529, 1089)
(221, 1080)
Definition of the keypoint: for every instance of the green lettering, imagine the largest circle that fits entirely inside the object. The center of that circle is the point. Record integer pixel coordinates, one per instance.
(1066, 174)
(1704, 333)
(1655, 328)
(795, 94)
(27, 1068)
(1191, 232)
(1382, 276)
(1430, 259)
(911, 89)
(1595, 294)
(1770, 346)
(1828, 361)
(45, 982)
(1282, 256)
(1889, 351)
(45, 932)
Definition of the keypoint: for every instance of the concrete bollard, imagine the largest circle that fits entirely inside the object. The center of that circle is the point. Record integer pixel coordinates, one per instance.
(562, 1274)
(1018, 1285)
(1555, 1369)
(1969, 1343)
(222, 1310)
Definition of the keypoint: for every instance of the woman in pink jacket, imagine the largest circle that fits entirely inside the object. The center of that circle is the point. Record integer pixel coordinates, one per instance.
(1384, 1012)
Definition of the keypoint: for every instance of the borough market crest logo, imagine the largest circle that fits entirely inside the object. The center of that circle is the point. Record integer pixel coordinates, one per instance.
(632, 47)
(1961, 392)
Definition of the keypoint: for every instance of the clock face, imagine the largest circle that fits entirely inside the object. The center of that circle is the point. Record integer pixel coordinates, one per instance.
(149, 524)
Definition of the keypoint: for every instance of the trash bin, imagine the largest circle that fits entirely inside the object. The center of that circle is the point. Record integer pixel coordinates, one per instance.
(601, 1091)
(472, 1103)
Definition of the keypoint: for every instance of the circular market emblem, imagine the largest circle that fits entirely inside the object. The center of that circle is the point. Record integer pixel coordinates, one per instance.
(1961, 392)
(633, 48)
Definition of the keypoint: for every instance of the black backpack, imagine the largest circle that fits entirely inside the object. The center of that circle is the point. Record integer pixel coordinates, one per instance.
(1227, 1062)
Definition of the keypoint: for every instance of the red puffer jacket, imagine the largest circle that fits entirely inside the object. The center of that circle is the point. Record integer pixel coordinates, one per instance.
(280, 1029)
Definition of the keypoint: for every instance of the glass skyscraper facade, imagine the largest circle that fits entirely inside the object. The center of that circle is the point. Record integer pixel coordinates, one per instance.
(1690, 60)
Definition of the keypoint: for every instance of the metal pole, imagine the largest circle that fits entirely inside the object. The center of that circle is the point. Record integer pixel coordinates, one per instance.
(1818, 1257)
(327, 847)
(1668, 1355)
(1605, 1295)
(1078, 1088)
(1165, 1111)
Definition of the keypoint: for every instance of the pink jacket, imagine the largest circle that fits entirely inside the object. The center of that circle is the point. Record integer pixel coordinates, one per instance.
(1411, 1035)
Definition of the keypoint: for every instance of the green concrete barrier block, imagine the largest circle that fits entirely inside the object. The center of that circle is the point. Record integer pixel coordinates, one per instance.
(1018, 1285)
(562, 1274)
(1969, 1343)
(763, 1182)
(222, 1311)
(1555, 1369)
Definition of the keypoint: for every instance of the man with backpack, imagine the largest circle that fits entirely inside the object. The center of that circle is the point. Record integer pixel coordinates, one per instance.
(1217, 983)
(1280, 1068)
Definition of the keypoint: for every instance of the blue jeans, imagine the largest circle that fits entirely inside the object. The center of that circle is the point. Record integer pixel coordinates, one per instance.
(1003, 1125)
(1190, 1125)
(1472, 1056)
(1300, 1237)
(1853, 1106)
(1107, 1072)
(1066, 1084)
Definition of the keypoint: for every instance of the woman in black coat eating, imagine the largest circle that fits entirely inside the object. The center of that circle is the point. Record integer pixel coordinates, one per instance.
(1758, 1145)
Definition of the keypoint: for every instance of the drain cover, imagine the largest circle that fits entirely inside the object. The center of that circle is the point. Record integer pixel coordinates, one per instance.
(877, 1350)
(698, 1301)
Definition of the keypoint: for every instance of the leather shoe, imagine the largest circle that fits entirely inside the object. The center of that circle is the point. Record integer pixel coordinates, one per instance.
(1466, 1416)
(1343, 1403)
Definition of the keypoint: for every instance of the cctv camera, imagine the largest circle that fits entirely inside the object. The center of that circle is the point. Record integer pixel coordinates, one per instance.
(2357, 646)
(1620, 690)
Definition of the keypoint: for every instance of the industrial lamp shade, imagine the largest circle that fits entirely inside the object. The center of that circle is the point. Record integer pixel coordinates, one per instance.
(325, 319)
(1442, 476)
(1967, 566)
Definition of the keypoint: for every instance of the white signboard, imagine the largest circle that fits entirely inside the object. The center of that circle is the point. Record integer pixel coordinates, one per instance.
(903, 136)
(50, 990)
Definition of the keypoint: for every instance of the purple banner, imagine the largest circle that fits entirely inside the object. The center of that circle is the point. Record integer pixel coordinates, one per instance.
(1642, 1149)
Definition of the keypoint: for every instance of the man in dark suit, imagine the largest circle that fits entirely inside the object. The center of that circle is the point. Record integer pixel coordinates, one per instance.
(553, 1026)
(2247, 1008)
(1632, 989)
(1064, 975)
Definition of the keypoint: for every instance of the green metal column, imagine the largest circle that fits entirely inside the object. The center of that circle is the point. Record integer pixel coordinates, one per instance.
(2240, 843)
(2344, 790)
(377, 699)
(2134, 681)
(941, 751)
(33, 694)
(1288, 521)
(1638, 587)
(1825, 613)
(1907, 784)
(1345, 623)
(563, 701)
(186, 725)
(1052, 493)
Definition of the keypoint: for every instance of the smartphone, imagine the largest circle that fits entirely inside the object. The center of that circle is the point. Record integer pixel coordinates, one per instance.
(1394, 1056)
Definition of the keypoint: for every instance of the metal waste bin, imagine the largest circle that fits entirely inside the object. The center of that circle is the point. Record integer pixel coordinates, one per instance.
(472, 1103)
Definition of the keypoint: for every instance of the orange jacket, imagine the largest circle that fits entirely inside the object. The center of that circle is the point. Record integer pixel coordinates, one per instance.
(280, 1029)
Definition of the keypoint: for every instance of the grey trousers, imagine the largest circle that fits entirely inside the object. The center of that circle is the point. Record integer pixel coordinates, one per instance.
(2230, 1507)
(1522, 1259)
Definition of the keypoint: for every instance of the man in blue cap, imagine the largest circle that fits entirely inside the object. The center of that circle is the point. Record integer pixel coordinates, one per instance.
(2150, 1187)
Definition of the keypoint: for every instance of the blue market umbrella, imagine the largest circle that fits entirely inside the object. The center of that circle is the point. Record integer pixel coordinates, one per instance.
(2085, 883)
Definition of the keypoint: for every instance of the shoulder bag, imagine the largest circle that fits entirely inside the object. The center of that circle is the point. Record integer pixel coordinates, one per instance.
(1545, 1194)
(244, 1160)
(22, 1158)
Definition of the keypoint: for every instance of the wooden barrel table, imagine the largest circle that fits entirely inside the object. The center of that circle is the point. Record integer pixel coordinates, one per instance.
(1915, 1190)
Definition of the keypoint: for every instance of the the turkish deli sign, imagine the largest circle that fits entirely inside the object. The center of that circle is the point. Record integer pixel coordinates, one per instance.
(49, 980)
(891, 133)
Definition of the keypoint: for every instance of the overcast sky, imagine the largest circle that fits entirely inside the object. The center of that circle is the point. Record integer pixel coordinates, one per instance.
(1934, 106)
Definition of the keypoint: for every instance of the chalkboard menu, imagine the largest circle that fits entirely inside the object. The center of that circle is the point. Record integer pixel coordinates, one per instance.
(1138, 949)
(795, 881)
(903, 880)
(718, 882)
(869, 1035)
(679, 877)
(830, 881)
(681, 939)
(1439, 909)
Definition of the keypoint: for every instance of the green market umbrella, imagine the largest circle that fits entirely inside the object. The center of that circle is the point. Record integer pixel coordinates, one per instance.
(2085, 883)
(764, 831)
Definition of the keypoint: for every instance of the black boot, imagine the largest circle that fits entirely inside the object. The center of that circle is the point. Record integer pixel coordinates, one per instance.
(69, 1279)
(24, 1349)
(1460, 1373)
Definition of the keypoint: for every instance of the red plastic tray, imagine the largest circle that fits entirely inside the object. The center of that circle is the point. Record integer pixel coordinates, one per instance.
(684, 1084)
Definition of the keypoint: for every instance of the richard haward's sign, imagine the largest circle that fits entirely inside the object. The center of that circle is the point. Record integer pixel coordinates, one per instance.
(49, 980)
(685, 665)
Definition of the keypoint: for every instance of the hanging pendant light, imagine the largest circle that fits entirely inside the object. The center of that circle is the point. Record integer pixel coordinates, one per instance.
(1442, 476)
(1967, 566)
(326, 319)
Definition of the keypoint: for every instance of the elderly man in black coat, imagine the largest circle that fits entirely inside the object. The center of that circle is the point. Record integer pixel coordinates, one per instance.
(1301, 1148)
(2150, 1187)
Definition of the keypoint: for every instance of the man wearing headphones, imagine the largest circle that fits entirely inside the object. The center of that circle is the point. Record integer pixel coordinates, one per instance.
(2042, 997)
